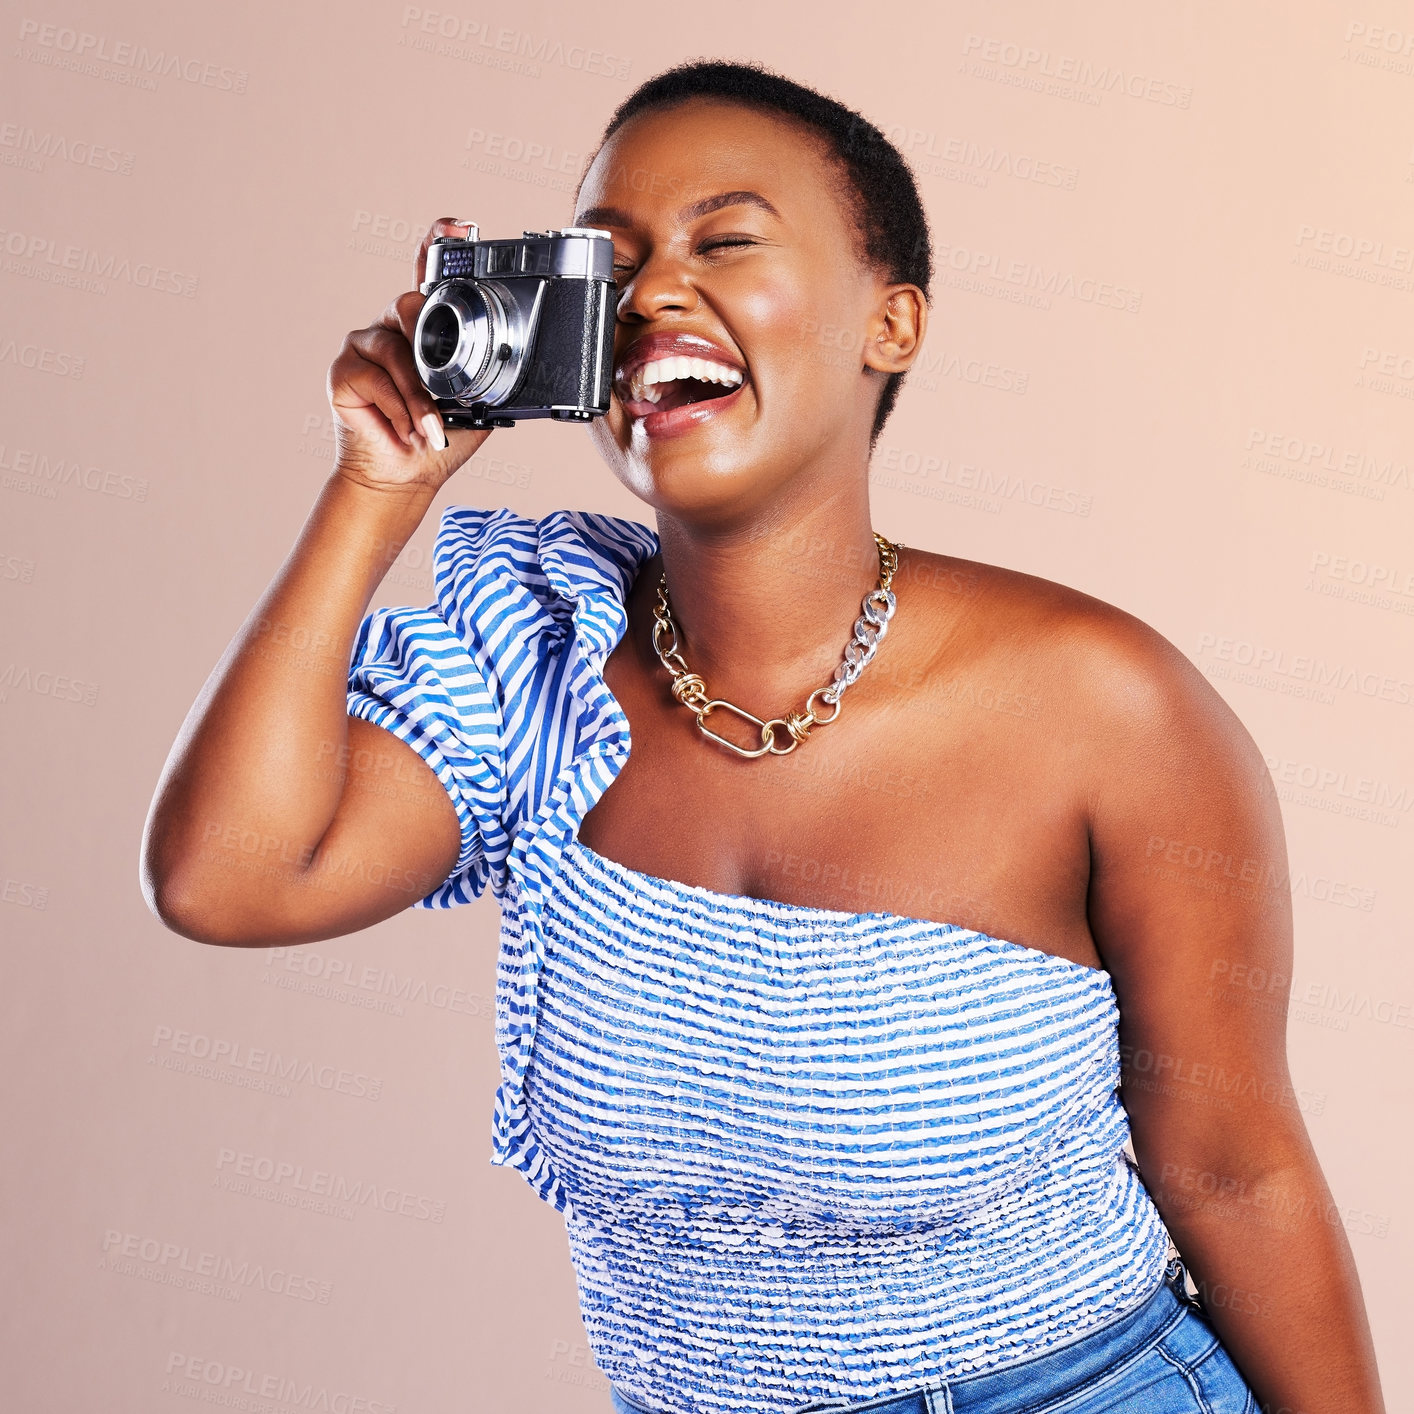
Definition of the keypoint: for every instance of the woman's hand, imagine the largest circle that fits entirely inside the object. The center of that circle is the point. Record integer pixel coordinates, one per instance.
(388, 431)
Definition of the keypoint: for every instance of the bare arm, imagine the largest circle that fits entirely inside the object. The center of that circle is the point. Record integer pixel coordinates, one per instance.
(1190, 904)
(273, 821)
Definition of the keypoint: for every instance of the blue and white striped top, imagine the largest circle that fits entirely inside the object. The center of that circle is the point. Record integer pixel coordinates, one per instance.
(801, 1154)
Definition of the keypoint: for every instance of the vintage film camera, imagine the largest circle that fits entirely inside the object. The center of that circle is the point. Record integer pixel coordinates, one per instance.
(518, 328)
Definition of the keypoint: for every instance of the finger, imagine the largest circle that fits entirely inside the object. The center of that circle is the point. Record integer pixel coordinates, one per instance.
(371, 429)
(402, 314)
(356, 381)
(351, 399)
(392, 352)
(443, 226)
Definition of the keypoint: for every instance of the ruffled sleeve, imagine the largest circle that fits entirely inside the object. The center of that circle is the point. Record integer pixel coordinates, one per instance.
(499, 686)
(421, 675)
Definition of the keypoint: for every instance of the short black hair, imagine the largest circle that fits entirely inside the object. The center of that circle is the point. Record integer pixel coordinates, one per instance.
(882, 194)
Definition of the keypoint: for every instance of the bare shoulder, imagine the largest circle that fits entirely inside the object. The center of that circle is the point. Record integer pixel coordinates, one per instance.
(1114, 685)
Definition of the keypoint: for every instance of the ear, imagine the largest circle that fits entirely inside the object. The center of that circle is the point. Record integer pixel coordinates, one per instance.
(896, 329)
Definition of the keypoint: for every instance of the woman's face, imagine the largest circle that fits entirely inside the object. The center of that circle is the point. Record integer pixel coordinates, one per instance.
(733, 246)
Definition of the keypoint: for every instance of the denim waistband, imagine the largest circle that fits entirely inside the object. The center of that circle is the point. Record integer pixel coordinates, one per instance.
(1055, 1371)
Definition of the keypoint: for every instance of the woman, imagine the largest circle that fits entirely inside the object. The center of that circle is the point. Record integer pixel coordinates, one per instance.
(812, 1031)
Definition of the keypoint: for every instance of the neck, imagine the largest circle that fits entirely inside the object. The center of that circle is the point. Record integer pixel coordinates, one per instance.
(765, 608)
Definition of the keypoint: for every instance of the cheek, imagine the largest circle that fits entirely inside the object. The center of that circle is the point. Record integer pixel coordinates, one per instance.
(809, 336)
(776, 317)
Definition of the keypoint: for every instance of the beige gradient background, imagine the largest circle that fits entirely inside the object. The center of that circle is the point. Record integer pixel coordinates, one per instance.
(1171, 363)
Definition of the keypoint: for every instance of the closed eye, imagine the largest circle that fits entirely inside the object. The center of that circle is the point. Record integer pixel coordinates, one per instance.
(721, 242)
(624, 272)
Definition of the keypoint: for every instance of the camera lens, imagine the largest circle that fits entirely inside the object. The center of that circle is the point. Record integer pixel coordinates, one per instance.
(459, 331)
(440, 337)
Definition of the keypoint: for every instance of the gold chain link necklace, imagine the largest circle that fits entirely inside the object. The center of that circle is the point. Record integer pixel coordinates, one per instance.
(691, 691)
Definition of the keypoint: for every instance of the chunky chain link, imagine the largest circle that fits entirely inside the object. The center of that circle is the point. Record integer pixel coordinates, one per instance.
(689, 689)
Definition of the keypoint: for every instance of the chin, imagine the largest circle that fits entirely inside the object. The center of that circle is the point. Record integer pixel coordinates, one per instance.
(733, 466)
(688, 478)
(688, 490)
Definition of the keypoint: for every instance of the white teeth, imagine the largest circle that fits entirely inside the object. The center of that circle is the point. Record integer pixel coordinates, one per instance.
(647, 383)
(667, 370)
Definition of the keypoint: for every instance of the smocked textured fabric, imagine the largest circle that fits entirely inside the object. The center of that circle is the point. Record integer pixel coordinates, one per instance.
(800, 1154)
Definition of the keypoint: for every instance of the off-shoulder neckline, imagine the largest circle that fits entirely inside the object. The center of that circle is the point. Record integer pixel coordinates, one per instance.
(639, 881)
(630, 543)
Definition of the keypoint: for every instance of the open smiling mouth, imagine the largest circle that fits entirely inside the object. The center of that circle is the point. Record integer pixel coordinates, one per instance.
(667, 384)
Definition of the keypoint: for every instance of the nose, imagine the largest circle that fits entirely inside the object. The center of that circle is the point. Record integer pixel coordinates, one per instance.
(660, 285)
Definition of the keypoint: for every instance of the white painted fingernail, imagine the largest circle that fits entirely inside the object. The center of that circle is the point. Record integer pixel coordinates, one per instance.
(432, 427)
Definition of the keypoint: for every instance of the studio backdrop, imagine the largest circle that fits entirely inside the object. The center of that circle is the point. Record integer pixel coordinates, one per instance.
(1170, 363)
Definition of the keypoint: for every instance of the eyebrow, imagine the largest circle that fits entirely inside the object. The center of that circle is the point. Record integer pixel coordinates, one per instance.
(616, 216)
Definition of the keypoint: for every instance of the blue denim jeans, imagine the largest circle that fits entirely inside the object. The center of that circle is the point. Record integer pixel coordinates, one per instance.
(1161, 1358)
